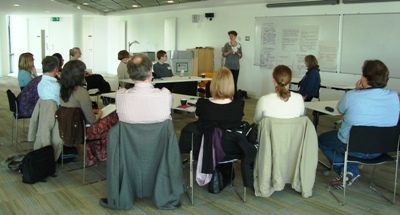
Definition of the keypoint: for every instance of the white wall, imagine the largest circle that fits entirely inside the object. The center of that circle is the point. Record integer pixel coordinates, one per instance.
(4, 51)
(148, 30)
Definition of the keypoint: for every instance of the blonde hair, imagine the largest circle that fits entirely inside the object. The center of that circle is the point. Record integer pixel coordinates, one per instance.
(222, 85)
(25, 61)
(282, 76)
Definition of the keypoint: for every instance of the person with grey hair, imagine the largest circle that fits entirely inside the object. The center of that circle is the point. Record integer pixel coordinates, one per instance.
(75, 53)
(49, 88)
(143, 103)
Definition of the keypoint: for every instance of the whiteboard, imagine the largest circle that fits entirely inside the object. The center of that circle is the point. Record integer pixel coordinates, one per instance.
(370, 36)
(288, 39)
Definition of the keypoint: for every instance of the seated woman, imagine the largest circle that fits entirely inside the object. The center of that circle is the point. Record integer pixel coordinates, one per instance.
(309, 84)
(73, 94)
(75, 53)
(27, 70)
(122, 70)
(215, 117)
(282, 103)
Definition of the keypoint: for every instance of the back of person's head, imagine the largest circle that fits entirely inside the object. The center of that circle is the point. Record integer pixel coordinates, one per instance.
(73, 51)
(222, 85)
(234, 33)
(25, 61)
(72, 76)
(49, 63)
(312, 62)
(123, 54)
(376, 73)
(161, 54)
(282, 76)
(139, 68)
(60, 59)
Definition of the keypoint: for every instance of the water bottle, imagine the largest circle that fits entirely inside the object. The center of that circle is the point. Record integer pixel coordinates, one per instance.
(182, 72)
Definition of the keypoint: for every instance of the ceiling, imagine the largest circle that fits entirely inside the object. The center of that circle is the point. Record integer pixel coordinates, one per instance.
(105, 7)
(118, 5)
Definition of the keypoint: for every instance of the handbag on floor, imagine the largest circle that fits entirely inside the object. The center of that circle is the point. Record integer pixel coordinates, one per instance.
(38, 165)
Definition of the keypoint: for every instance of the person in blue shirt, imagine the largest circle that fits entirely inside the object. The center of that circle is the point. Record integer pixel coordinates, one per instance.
(26, 68)
(309, 84)
(370, 104)
(48, 87)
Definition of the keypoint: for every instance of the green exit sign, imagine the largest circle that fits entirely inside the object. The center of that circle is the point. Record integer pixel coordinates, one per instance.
(55, 19)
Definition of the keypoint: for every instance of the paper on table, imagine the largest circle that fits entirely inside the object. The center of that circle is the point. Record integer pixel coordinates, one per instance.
(108, 109)
(184, 106)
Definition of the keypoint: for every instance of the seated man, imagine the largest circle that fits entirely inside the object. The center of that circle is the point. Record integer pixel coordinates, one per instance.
(370, 104)
(48, 87)
(150, 104)
(162, 69)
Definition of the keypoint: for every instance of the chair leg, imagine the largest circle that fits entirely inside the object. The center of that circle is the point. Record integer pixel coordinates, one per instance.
(329, 189)
(190, 196)
(371, 186)
(233, 187)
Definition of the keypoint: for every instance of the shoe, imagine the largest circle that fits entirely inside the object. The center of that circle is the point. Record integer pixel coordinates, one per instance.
(103, 202)
(338, 182)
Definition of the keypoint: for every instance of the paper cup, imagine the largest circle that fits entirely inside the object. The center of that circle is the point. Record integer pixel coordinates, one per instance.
(183, 101)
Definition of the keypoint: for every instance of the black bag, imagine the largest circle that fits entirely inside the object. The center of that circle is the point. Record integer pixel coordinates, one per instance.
(221, 177)
(216, 184)
(38, 164)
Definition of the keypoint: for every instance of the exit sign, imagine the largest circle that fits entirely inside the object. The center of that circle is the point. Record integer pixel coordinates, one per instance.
(55, 19)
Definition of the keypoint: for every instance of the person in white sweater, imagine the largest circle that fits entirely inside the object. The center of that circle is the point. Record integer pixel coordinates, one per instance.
(282, 103)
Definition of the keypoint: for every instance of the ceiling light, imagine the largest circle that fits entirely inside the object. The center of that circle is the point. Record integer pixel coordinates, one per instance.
(170, 2)
(85, 3)
(135, 5)
(105, 10)
(78, 7)
(16, 5)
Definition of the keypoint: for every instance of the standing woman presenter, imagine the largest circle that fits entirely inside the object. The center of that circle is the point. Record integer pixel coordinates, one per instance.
(232, 53)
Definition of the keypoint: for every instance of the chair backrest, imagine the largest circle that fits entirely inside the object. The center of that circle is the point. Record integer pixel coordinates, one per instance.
(71, 125)
(371, 139)
(94, 81)
(186, 88)
(12, 101)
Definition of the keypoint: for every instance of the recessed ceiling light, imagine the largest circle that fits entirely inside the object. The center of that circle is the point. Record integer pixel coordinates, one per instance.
(85, 3)
(105, 10)
(78, 7)
(170, 2)
(135, 5)
(16, 5)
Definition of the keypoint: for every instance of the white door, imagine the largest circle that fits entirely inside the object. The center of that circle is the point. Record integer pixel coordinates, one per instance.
(37, 29)
(87, 46)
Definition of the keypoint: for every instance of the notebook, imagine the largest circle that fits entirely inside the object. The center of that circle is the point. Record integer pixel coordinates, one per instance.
(108, 109)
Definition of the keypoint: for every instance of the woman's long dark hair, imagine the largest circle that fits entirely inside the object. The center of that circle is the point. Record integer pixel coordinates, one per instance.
(72, 76)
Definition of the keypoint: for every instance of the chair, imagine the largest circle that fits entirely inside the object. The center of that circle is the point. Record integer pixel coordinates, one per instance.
(143, 160)
(94, 84)
(13, 104)
(287, 153)
(76, 121)
(231, 160)
(186, 88)
(370, 139)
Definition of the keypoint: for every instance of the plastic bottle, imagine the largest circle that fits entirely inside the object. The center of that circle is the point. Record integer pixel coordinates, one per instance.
(182, 72)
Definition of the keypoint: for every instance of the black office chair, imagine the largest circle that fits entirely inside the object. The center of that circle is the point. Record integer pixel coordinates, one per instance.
(13, 104)
(370, 139)
(94, 82)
